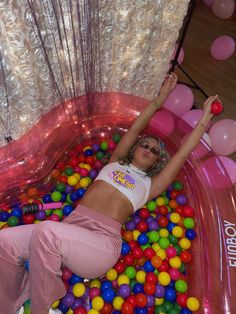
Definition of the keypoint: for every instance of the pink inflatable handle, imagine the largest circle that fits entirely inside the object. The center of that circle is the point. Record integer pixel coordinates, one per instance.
(35, 207)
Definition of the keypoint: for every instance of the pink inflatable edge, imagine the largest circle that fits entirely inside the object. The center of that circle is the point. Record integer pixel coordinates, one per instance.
(29, 160)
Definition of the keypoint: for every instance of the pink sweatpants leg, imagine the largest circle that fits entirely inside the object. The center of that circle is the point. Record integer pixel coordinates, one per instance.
(85, 237)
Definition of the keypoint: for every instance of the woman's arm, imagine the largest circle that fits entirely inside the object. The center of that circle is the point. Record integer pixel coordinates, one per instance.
(161, 181)
(142, 120)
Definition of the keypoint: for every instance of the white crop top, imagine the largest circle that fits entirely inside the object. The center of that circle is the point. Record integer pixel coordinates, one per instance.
(134, 183)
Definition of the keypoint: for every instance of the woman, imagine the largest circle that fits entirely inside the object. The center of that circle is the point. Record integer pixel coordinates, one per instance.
(88, 241)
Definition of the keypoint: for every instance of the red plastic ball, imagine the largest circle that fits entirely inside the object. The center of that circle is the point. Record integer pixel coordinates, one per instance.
(179, 210)
(120, 267)
(151, 277)
(66, 274)
(188, 211)
(164, 266)
(82, 158)
(162, 221)
(137, 252)
(182, 299)
(132, 299)
(80, 310)
(174, 194)
(128, 260)
(185, 256)
(144, 213)
(216, 107)
(73, 162)
(127, 308)
(149, 253)
(141, 300)
(142, 226)
(90, 160)
(79, 148)
(133, 244)
(61, 165)
(149, 288)
(107, 308)
(62, 179)
(151, 310)
(28, 219)
(162, 210)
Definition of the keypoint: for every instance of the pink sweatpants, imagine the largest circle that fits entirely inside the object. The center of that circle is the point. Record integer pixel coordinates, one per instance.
(86, 242)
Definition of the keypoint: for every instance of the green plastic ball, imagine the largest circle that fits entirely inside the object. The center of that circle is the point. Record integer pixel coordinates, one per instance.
(56, 196)
(151, 206)
(173, 239)
(60, 187)
(69, 171)
(182, 268)
(164, 243)
(178, 185)
(174, 311)
(153, 236)
(168, 306)
(181, 286)
(12, 221)
(160, 309)
(178, 249)
(116, 137)
(104, 145)
(99, 155)
(189, 223)
(58, 212)
(130, 272)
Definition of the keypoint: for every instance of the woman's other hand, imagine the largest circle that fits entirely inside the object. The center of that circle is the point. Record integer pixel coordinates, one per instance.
(168, 86)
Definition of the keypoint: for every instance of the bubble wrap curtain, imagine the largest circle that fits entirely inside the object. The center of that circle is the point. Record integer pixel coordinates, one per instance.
(54, 50)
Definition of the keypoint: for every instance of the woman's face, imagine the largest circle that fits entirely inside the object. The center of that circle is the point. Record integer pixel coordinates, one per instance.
(146, 153)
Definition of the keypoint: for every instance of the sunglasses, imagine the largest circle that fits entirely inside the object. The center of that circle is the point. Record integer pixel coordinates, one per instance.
(152, 149)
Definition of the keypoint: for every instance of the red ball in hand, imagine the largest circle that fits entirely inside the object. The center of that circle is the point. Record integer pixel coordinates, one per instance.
(216, 107)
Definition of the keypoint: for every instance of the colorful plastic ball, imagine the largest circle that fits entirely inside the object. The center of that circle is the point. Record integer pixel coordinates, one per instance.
(163, 210)
(56, 196)
(123, 279)
(160, 201)
(124, 290)
(188, 211)
(175, 262)
(138, 288)
(93, 173)
(69, 171)
(117, 302)
(28, 219)
(188, 223)
(4, 216)
(68, 300)
(163, 221)
(83, 172)
(130, 225)
(111, 274)
(75, 279)
(141, 300)
(107, 308)
(164, 243)
(142, 239)
(163, 233)
(88, 152)
(104, 145)
(151, 206)
(17, 212)
(47, 198)
(140, 276)
(175, 218)
(78, 289)
(161, 253)
(67, 209)
(171, 251)
(130, 272)
(13, 221)
(178, 231)
(149, 253)
(127, 308)
(93, 311)
(193, 304)
(190, 234)
(156, 261)
(72, 180)
(141, 310)
(142, 226)
(116, 137)
(174, 274)
(153, 236)
(181, 286)
(181, 199)
(185, 243)
(170, 294)
(129, 260)
(164, 278)
(125, 248)
(80, 310)
(97, 303)
(148, 267)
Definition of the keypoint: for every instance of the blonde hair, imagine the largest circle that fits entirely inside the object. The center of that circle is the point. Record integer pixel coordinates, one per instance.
(158, 165)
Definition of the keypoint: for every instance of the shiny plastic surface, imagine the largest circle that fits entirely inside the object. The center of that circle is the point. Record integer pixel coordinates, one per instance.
(29, 160)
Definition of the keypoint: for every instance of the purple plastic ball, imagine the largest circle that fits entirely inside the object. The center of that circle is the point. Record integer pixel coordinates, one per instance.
(69, 188)
(124, 290)
(160, 291)
(136, 219)
(181, 199)
(153, 225)
(130, 225)
(95, 147)
(68, 300)
(77, 303)
(93, 173)
(40, 215)
(150, 301)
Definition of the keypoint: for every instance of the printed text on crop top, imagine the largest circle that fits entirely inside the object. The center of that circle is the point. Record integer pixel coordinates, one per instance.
(134, 183)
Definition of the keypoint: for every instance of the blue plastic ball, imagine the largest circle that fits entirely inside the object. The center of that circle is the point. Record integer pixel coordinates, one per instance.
(125, 248)
(67, 209)
(170, 226)
(190, 234)
(75, 279)
(16, 211)
(95, 147)
(170, 294)
(63, 308)
(142, 239)
(138, 288)
(148, 267)
(88, 152)
(4, 216)
(106, 284)
(80, 192)
(141, 310)
(47, 198)
(74, 196)
(108, 295)
(185, 311)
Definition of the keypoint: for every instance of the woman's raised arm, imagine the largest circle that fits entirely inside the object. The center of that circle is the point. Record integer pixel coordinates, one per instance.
(142, 120)
(161, 181)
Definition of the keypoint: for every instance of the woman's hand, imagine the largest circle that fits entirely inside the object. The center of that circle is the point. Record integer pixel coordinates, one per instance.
(167, 87)
(207, 106)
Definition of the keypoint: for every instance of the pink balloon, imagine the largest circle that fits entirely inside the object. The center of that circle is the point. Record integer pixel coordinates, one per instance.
(222, 47)
(208, 2)
(230, 166)
(180, 100)
(162, 124)
(192, 117)
(223, 137)
(223, 9)
(216, 172)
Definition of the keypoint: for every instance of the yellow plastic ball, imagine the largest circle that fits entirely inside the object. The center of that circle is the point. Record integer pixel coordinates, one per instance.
(160, 201)
(55, 304)
(72, 180)
(92, 311)
(117, 303)
(175, 262)
(97, 303)
(77, 175)
(161, 253)
(159, 301)
(177, 231)
(111, 274)
(69, 311)
(37, 222)
(87, 166)
(140, 276)
(86, 148)
(175, 218)
(163, 233)
(185, 243)
(123, 279)
(156, 247)
(95, 284)
(78, 289)
(136, 233)
(84, 182)
(193, 304)
(164, 278)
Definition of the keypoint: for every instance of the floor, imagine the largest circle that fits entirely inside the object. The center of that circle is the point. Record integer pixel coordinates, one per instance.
(214, 77)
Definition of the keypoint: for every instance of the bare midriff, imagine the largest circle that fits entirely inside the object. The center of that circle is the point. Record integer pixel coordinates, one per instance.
(106, 199)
